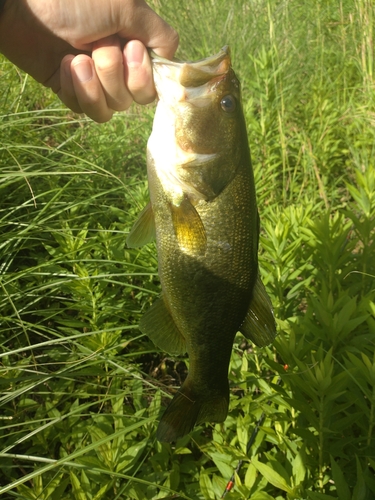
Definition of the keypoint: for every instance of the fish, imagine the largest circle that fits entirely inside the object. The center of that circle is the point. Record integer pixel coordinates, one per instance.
(203, 213)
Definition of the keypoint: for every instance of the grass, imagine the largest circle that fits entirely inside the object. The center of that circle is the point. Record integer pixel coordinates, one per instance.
(82, 389)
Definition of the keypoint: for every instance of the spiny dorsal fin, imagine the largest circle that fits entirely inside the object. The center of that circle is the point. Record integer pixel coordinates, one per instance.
(157, 323)
(143, 230)
(189, 229)
(259, 325)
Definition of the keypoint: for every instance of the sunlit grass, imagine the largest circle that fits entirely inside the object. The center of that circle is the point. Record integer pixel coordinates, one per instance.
(82, 388)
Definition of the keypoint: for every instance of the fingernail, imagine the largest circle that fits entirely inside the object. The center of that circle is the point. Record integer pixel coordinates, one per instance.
(134, 53)
(83, 71)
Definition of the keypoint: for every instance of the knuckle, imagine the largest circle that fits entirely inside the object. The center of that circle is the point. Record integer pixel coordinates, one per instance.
(121, 104)
(108, 64)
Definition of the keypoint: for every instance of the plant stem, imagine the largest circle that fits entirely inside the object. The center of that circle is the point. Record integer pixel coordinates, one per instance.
(321, 441)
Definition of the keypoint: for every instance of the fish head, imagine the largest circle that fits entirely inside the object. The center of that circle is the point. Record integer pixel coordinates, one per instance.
(198, 126)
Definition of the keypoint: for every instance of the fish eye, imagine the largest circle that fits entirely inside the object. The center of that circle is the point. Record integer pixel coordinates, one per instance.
(228, 103)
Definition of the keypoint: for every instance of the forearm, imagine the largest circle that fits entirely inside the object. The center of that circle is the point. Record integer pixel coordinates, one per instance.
(10, 25)
(2, 5)
(28, 44)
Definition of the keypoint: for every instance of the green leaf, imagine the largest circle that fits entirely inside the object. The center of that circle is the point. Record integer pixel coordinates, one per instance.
(182, 451)
(299, 469)
(77, 489)
(250, 476)
(261, 495)
(360, 489)
(342, 487)
(206, 486)
(131, 456)
(315, 495)
(86, 485)
(26, 492)
(243, 432)
(223, 462)
(272, 476)
(103, 490)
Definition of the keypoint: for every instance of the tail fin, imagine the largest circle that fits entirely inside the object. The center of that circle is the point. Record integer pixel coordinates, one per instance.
(187, 409)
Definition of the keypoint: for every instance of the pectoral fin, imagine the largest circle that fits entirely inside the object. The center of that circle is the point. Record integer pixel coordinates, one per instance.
(259, 325)
(143, 230)
(189, 229)
(157, 323)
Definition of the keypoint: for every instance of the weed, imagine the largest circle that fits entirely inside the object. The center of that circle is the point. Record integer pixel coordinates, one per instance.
(82, 389)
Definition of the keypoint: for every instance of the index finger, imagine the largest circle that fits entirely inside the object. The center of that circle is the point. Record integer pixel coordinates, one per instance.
(148, 27)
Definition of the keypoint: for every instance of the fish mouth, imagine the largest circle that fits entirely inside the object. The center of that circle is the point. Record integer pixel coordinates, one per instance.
(190, 74)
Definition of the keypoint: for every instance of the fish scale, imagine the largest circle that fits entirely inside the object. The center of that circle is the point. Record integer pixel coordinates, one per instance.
(204, 214)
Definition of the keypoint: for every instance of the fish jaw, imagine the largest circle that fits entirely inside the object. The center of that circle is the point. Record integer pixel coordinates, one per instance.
(189, 94)
(188, 74)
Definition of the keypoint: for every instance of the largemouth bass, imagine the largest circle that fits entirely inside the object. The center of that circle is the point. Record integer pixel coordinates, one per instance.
(203, 211)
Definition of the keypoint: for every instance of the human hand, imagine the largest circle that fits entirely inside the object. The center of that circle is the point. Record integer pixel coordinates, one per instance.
(92, 53)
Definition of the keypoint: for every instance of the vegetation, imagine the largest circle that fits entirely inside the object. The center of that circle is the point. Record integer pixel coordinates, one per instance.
(82, 389)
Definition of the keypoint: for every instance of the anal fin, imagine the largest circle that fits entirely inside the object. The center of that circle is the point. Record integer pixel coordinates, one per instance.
(157, 323)
(143, 230)
(259, 325)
